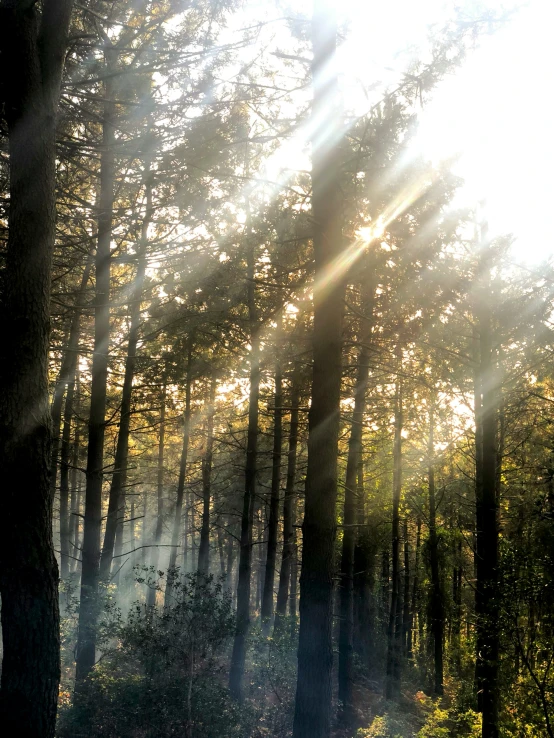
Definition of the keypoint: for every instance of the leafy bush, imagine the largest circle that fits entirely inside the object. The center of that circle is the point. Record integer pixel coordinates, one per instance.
(430, 720)
(162, 672)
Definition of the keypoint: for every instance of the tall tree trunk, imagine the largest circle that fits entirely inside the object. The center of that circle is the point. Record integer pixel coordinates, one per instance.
(364, 579)
(151, 600)
(171, 574)
(67, 372)
(349, 518)
(230, 563)
(406, 614)
(220, 548)
(313, 706)
(260, 527)
(88, 611)
(457, 574)
(119, 476)
(204, 549)
(392, 687)
(238, 657)
(64, 479)
(288, 504)
(293, 598)
(385, 590)
(437, 603)
(486, 592)
(32, 52)
(271, 557)
(76, 483)
(144, 529)
(412, 638)
(186, 533)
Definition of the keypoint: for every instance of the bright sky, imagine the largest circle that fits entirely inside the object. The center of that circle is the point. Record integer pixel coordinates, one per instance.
(495, 112)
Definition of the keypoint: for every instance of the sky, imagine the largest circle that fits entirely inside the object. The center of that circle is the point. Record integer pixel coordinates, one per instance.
(495, 113)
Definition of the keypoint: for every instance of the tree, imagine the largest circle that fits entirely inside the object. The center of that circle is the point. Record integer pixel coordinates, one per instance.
(88, 611)
(32, 52)
(312, 716)
(271, 557)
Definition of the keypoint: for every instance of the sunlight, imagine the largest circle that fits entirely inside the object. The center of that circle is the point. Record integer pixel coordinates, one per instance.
(368, 235)
(471, 116)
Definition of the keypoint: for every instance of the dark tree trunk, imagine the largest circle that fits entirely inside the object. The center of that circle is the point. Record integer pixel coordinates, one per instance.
(192, 518)
(32, 51)
(437, 603)
(293, 598)
(181, 482)
(412, 638)
(457, 574)
(260, 557)
(238, 657)
(204, 549)
(288, 504)
(349, 518)
(75, 484)
(385, 590)
(144, 530)
(230, 563)
(271, 557)
(486, 592)
(119, 476)
(151, 599)
(186, 534)
(88, 611)
(67, 373)
(392, 688)
(64, 479)
(406, 614)
(364, 579)
(313, 706)
(220, 549)
(119, 533)
(76, 481)
(364, 600)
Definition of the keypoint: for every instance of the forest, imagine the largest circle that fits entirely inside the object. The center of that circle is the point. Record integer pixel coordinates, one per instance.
(276, 401)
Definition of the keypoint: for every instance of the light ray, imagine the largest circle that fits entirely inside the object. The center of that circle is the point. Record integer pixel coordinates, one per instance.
(369, 235)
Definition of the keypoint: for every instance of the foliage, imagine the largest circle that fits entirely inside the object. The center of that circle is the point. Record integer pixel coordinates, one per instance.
(162, 675)
(424, 718)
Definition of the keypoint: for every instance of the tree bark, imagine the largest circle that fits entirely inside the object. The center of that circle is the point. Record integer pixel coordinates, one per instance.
(313, 706)
(119, 476)
(76, 483)
(32, 50)
(412, 638)
(171, 574)
(288, 504)
(204, 549)
(293, 598)
(486, 592)
(151, 599)
(346, 631)
(394, 665)
(64, 478)
(437, 603)
(406, 614)
(67, 372)
(238, 656)
(364, 580)
(271, 557)
(88, 611)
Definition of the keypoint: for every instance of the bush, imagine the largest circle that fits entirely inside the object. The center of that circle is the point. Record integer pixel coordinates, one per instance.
(162, 673)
